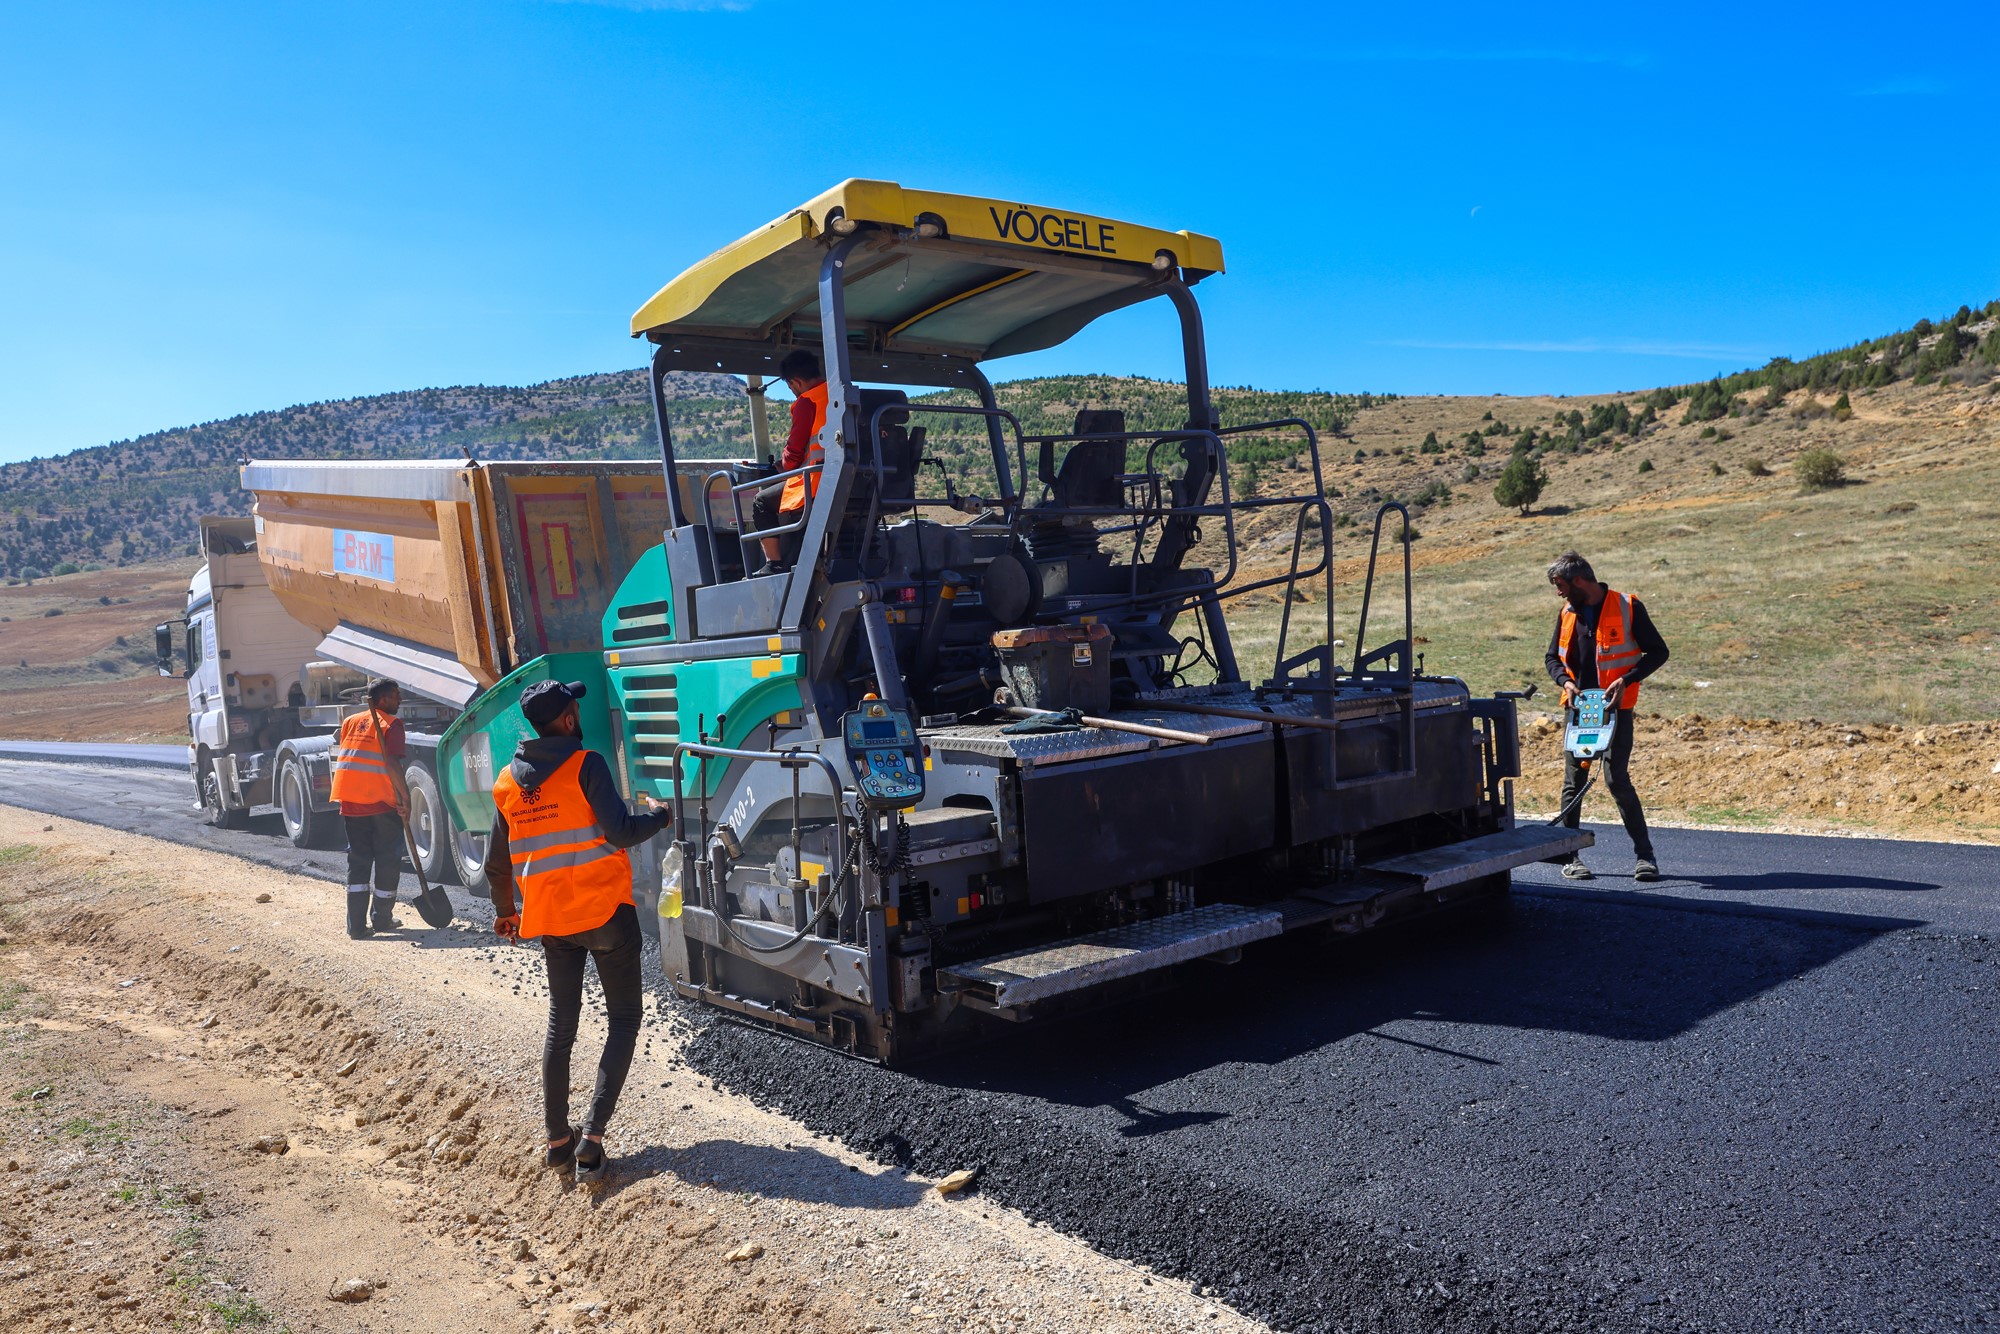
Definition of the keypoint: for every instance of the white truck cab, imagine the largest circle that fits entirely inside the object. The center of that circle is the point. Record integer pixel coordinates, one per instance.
(265, 704)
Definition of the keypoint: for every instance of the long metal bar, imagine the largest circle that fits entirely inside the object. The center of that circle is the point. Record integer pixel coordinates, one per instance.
(1257, 716)
(1116, 725)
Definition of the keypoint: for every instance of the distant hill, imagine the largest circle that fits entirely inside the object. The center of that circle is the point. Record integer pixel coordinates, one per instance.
(137, 500)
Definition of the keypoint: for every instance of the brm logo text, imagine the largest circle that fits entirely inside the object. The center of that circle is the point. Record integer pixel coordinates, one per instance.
(1054, 231)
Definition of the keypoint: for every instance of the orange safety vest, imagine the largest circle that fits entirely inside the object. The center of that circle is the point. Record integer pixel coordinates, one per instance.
(571, 879)
(1617, 651)
(794, 495)
(360, 764)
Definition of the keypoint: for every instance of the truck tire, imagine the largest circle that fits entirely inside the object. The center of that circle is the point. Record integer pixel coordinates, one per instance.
(306, 827)
(469, 858)
(430, 826)
(219, 815)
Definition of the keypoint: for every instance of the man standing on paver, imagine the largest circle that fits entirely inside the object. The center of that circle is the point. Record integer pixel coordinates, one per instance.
(368, 784)
(1603, 640)
(560, 831)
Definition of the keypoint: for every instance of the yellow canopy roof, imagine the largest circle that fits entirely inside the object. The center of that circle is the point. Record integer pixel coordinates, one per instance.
(992, 278)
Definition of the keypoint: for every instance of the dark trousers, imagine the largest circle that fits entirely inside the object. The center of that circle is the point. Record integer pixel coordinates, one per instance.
(375, 851)
(615, 946)
(1615, 768)
(764, 512)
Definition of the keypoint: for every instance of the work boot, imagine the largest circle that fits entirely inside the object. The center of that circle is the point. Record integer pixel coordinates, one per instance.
(1577, 871)
(590, 1161)
(357, 914)
(770, 567)
(383, 918)
(1646, 870)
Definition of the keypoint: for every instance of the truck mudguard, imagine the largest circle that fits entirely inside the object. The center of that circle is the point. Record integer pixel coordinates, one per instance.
(484, 738)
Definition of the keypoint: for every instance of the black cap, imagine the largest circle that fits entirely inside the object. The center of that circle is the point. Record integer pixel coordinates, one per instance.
(544, 701)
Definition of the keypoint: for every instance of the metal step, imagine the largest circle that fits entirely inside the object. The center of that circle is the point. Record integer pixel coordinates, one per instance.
(1026, 976)
(1456, 863)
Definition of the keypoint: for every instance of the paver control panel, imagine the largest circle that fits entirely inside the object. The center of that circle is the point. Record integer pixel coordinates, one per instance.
(886, 756)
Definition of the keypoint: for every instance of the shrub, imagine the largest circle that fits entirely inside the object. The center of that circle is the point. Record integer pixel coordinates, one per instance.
(1469, 473)
(1757, 468)
(1475, 447)
(53, 611)
(1716, 470)
(1431, 445)
(67, 567)
(1360, 456)
(1842, 409)
(1819, 470)
(1521, 484)
(1645, 465)
(1708, 433)
(1707, 402)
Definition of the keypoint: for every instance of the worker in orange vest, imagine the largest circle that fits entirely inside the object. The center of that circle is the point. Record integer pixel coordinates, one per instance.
(374, 799)
(1604, 640)
(560, 831)
(782, 502)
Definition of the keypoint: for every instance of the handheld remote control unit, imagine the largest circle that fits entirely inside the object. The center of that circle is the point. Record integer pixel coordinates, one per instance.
(885, 755)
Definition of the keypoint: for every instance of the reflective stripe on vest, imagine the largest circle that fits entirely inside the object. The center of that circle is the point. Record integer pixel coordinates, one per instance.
(794, 495)
(360, 765)
(1617, 651)
(570, 878)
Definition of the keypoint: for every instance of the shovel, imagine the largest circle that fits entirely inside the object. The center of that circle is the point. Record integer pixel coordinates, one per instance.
(433, 905)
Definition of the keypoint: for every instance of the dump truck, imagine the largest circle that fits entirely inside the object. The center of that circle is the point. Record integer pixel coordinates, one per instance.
(441, 576)
(966, 760)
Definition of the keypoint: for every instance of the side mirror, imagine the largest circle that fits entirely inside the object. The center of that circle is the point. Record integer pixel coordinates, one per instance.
(163, 649)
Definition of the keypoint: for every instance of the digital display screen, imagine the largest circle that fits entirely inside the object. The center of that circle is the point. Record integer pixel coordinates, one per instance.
(878, 730)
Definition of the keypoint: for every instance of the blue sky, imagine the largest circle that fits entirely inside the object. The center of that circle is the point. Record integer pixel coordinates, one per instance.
(208, 209)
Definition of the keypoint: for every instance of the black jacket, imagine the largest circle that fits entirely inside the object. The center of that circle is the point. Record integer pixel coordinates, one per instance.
(1583, 648)
(535, 761)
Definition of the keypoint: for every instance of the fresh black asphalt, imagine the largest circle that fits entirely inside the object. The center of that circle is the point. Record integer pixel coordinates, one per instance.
(1763, 1096)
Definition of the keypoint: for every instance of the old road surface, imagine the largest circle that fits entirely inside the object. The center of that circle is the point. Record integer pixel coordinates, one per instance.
(1761, 1095)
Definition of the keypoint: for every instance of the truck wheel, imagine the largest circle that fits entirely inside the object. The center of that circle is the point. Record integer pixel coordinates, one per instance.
(306, 827)
(219, 815)
(469, 855)
(430, 827)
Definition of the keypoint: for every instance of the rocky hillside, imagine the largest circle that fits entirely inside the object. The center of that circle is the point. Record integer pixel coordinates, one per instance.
(137, 500)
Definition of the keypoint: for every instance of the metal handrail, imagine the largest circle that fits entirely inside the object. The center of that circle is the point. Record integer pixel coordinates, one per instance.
(1368, 593)
(794, 760)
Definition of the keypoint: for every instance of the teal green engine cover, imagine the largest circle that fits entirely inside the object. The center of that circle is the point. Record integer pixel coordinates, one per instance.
(478, 746)
(660, 702)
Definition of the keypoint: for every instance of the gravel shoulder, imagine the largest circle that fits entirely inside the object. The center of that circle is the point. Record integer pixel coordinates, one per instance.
(245, 1109)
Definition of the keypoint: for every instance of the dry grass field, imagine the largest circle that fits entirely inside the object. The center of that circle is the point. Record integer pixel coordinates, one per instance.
(76, 656)
(1875, 601)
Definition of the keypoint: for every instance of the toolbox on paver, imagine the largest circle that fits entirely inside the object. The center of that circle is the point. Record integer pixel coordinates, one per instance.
(1057, 666)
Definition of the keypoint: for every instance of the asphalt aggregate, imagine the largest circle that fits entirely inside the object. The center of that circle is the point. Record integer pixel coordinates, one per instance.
(1761, 1095)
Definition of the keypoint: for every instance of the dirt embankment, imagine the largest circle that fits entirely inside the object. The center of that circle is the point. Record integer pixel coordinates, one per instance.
(222, 1111)
(1909, 782)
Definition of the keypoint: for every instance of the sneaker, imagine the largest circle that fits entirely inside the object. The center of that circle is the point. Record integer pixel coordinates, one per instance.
(560, 1155)
(1645, 870)
(590, 1160)
(770, 567)
(1577, 871)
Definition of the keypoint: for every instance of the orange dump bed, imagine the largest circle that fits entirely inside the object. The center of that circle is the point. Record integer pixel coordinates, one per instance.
(446, 576)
